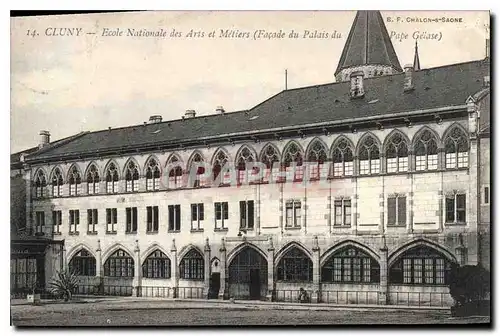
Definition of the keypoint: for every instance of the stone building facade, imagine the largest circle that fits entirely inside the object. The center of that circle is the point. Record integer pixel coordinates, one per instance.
(367, 192)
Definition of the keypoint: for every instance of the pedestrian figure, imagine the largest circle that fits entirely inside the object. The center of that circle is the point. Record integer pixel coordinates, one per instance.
(303, 297)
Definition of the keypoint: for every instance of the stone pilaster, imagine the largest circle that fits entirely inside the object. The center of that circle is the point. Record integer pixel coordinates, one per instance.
(383, 289)
(316, 293)
(136, 291)
(224, 280)
(207, 268)
(175, 269)
(65, 258)
(98, 268)
(270, 271)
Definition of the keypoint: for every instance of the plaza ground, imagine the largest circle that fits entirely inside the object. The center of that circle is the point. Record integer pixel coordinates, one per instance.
(203, 313)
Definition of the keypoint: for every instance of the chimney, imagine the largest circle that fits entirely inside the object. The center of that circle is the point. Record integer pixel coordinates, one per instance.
(190, 113)
(220, 110)
(44, 139)
(155, 119)
(357, 90)
(408, 85)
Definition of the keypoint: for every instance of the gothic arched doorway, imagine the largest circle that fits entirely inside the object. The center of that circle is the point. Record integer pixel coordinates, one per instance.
(248, 275)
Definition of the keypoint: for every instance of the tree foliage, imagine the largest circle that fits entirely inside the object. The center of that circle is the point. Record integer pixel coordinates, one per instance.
(469, 283)
(63, 285)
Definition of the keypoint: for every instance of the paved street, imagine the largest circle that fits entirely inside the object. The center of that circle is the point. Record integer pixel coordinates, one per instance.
(176, 313)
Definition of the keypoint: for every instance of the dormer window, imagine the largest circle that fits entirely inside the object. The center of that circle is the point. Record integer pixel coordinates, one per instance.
(357, 84)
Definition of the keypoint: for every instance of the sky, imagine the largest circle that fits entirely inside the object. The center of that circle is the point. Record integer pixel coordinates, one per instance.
(70, 84)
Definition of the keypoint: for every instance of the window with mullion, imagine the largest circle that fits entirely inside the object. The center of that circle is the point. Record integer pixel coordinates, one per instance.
(221, 214)
(456, 149)
(57, 221)
(131, 220)
(74, 220)
(152, 219)
(247, 215)
(92, 220)
(350, 265)
(293, 214)
(111, 220)
(396, 210)
(174, 217)
(342, 212)
(39, 221)
(197, 216)
(455, 208)
(157, 265)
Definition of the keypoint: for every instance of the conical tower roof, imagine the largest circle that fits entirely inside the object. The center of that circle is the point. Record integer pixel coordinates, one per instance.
(368, 43)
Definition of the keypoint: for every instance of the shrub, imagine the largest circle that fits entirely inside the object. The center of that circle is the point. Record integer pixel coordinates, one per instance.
(63, 285)
(469, 283)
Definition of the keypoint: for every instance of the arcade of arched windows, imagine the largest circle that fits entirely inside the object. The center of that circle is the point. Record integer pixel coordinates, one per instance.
(370, 156)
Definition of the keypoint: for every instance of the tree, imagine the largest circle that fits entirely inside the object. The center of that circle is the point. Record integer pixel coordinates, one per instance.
(469, 283)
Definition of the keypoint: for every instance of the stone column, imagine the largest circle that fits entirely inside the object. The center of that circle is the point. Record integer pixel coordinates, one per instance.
(316, 294)
(64, 258)
(223, 291)
(271, 289)
(207, 268)
(98, 268)
(383, 289)
(175, 270)
(136, 291)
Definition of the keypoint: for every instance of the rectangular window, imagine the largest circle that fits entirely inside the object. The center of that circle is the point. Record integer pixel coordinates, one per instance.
(174, 217)
(451, 160)
(131, 220)
(74, 220)
(396, 210)
(366, 270)
(246, 215)
(221, 214)
(455, 208)
(462, 159)
(342, 212)
(407, 271)
(293, 214)
(152, 218)
(347, 269)
(337, 269)
(111, 220)
(197, 216)
(92, 220)
(429, 270)
(57, 221)
(439, 271)
(39, 221)
(392, 165)
(417, 271)
(111, 187)
(364, 167)
(486, 195)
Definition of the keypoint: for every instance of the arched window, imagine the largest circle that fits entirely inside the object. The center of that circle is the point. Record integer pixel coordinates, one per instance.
(293, 154)
(152, 175)
(83, 263)
(75, 182)
(369, 156)
(111, 179)
(426, 152)
(132, 177)
(192, 266)
(457, 149)
(316, 158)
(269, 157)
(195, 162)
(343, 159)
(295, 266)
(40, 184)
(397, 154)
(220, 160)
(119, 264)
(156, 265)
(420, 265)
(57, 183)
(175, 173)
(350, 265)
(93, 180)
(244, 157)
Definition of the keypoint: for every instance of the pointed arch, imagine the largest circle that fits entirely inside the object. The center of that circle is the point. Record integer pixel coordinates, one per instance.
(156, 263)
(290, 245)
(115, 247)
(269, 154)
(192, 263)
(152, 172)
(350, 242)
(119, 263)
(87, 169)
(195, 155)
(74, 180)
(397, 150)
(456, 146)
(293, 152)
(92, 177)
(74, 168)
(153, 247)
(398, 251)
(57, 181)
(77, 248)
(245, 152)
(111, 176)
(175, 170)
(218, 161)
(219, 152)
(82, 261)
(368, 153)
(188, 248)
(313, 148)
(132, 174)
(241, 247)
(174, 158)
(425, 146)
(57, 170)
(40, 182)
(342, 156)
(294, 263)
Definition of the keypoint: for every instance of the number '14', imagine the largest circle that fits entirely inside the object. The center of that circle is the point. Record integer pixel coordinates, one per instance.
(32, 33)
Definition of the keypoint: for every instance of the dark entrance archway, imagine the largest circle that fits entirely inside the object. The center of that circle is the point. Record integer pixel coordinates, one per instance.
(248, 275)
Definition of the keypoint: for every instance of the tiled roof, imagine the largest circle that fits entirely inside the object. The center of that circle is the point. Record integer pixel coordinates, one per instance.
(368, 43)
(437, 87)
